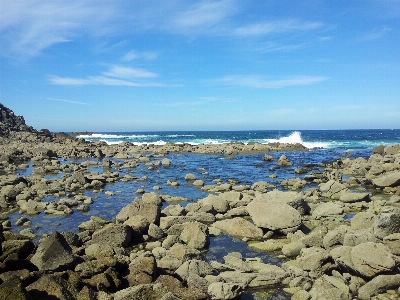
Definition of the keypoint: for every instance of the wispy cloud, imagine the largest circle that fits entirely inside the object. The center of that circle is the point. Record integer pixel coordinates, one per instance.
(116, 75)
(278, 26)
(375, 34)
(261, 82)
(28, 27)
(68, 101)
(132, 55)
(200, 101)
(276, 47)
(126, 72)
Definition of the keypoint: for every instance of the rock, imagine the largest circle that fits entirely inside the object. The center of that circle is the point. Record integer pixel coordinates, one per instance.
(234, 260)
(283, 161)
(90, 268)
(268, 158)
(155, 231)
(52, 287)
(327, 209)
(198, 267)
(275, 216)
(392, 149)
(294, 199)
(378, 285)
(150, 211)
(292, 249)
(190, 176)
(198, 282)
(142, 270)
(221, 290)
(362, 220)
(54, 254)
(268, 275)
(370, 259)
(329, 288)
(173, 210)
(114, 235)
(314, 259)
(260, 186)
(392, 241)
(13, 289)
(387, 222)
(387, 180)
(141, 292)
(138, 225)
(166, 162)
(354, 197)
(218, 203)
(239, 227)
(332, 189)
(198, 182)
(195, 235)
(267, 246)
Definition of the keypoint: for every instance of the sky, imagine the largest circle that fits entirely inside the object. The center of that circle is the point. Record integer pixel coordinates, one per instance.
(129, 65)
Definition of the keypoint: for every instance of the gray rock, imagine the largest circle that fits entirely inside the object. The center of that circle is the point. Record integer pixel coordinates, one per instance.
(292, 249)
(195, 235)
(173, 210)
(387, 180)
(387, 222)
(283, 161)
(354, 197)
(198, 267)
(150, 211)
(114, 235)
(155, 231)
(12, 289)
(275, 216)
(332, 189)
(54, 254)
(327, 209)
(330, 288)
(268, 275)
(190, 176)
(362, 220)
(392, 241)
(378, 285)
(198, 282)
(221, 290)
(294, 199)
(239, 227)
(370, 259)
(218, 203)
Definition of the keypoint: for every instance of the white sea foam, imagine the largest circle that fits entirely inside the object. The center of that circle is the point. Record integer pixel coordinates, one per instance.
(295, 137)
(115, 136)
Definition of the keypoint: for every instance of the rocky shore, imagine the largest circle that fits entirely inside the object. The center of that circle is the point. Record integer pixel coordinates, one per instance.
(339, 239)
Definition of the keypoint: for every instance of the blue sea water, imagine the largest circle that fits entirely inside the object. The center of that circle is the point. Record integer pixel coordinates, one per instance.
(328, 139)
(325, 145)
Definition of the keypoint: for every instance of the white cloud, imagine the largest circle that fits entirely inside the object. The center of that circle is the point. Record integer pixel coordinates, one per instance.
(125, 72)
(260, 82)
(275, 47)
(28, 27)
(279, 26)
(131, 55)
(375, 34)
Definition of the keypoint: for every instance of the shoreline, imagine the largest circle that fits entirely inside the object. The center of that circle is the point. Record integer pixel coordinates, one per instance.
(157, 252)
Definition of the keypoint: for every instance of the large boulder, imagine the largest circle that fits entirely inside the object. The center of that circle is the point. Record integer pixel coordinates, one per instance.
(367, 259)
(387, 180)
(274, 215)
(150, 211)
(294, 199)
(218, 203)
(239, 227)
(54, 254)
(13, 289)
(194, 266)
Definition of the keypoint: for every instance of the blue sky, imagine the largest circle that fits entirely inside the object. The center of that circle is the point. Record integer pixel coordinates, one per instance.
(118, 65)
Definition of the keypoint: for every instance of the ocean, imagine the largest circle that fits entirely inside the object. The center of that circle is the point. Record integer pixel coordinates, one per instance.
(328, 139)
(246, 169)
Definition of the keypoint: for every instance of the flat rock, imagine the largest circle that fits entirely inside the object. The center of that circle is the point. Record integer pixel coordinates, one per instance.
(274, 215)
(114, 235)
(377, 285)
(327, 209)
(354, 197)
(387, 180)
(221, 290)
(239, 227)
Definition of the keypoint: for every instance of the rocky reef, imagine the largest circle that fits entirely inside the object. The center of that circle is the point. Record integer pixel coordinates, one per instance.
(339, 239)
